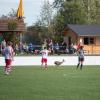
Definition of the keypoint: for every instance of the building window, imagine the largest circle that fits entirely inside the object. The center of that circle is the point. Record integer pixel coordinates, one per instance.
(91, 40)
(88, 40)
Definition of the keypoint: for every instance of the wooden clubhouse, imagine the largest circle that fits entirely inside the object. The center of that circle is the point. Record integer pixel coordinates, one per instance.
(87, 35)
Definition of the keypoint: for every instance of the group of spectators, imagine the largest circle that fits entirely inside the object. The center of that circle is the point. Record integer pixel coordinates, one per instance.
(54, 47)
(24, 48)
(59, 48)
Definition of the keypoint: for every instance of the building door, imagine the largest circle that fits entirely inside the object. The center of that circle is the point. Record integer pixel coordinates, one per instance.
(69, 41)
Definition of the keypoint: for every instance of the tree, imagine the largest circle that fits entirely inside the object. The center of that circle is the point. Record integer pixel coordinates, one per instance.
(73, 13)
(35, 33)
(46, 16)
(58, 3)
(69, 13)
(97, 18)
(92, 9)
(11, 14)
(43, 28)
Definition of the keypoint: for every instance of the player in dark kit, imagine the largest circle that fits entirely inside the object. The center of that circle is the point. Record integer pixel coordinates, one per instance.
(80, 57)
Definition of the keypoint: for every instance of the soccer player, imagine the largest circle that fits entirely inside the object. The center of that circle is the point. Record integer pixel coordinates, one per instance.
(8, 54)
(44, 57)
(80, 57)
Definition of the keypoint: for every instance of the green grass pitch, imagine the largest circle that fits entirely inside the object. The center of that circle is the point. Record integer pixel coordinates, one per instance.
(56, 83)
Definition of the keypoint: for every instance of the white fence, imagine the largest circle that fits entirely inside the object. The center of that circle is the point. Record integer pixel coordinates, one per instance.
(36, 60)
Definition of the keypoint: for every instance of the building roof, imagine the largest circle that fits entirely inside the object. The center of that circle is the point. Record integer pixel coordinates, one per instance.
(85, 30)
(5, 21)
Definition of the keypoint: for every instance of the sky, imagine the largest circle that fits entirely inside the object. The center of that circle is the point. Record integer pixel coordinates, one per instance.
(32, 9)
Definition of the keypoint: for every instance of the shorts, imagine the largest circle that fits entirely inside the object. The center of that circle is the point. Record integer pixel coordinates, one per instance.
(81, 59)
(44, 60)
(8, 62)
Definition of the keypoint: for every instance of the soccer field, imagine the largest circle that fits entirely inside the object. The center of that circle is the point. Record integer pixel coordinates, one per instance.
(56, 83)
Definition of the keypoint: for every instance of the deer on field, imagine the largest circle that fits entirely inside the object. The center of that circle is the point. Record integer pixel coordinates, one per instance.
(58, 63)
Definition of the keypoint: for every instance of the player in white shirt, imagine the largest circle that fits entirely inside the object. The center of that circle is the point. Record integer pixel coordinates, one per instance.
(8, 54)
(44, 57)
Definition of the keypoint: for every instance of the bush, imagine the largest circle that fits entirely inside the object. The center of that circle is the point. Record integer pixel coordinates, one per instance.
(12, 25)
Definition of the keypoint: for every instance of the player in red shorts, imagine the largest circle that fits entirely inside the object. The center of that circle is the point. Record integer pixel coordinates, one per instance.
(44, 57)
(8, 54)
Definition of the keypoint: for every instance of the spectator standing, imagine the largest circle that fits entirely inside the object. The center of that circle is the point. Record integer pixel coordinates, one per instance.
(3, 45)
(21, 47)
(57, 48)
(30, 48)
(16, 49)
